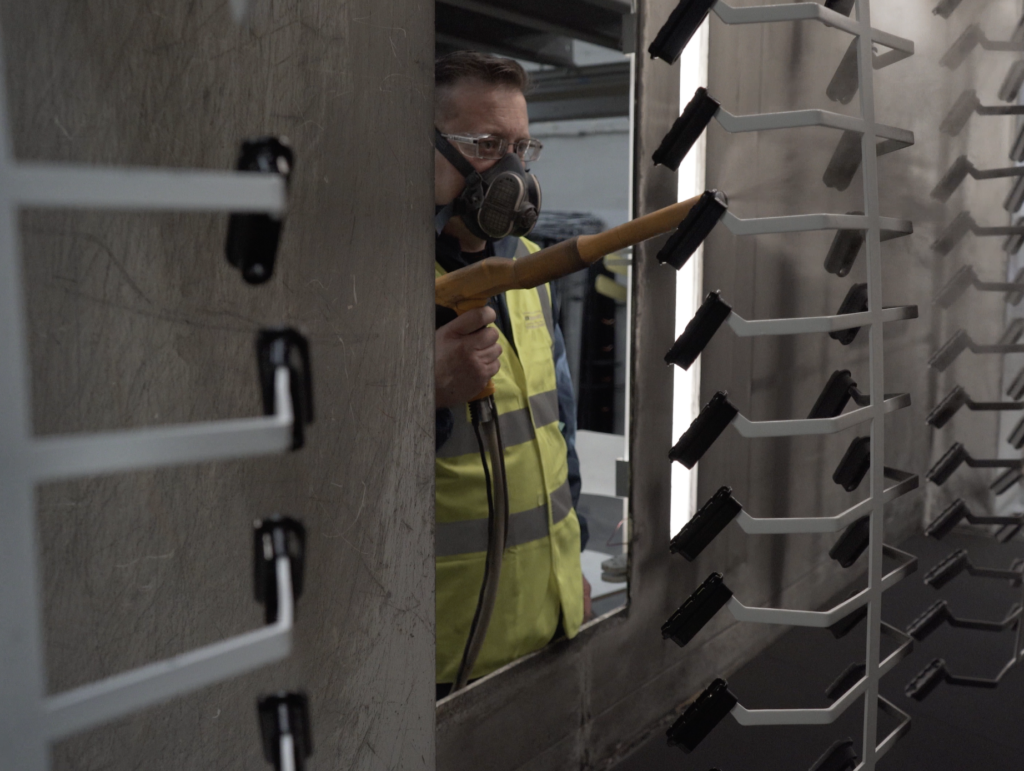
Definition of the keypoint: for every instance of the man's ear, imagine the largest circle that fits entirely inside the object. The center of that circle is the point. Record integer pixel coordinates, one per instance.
(448, 182)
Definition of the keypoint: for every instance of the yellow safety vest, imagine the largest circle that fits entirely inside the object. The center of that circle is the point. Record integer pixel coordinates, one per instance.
(540, 573)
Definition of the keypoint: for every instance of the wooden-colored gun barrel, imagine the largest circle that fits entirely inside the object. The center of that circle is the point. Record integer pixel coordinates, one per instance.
(470, 287)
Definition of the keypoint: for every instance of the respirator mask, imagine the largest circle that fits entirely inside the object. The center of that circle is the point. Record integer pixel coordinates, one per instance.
(502, 201)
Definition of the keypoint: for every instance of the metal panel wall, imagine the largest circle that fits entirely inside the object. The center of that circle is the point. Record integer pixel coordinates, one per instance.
(136, 319)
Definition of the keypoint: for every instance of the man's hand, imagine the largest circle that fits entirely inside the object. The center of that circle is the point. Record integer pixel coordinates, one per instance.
(466, 356)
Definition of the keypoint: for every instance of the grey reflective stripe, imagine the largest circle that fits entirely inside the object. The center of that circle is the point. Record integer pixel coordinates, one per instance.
(451, 538)
(521, 248)
(544, 407)
(545, 306)
(469, 536)
(561, 503)
(515, 429)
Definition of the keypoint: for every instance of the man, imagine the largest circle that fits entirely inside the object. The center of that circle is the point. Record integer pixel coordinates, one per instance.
(483, 131)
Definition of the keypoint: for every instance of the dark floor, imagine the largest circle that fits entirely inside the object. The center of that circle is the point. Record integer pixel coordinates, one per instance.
(954, 729)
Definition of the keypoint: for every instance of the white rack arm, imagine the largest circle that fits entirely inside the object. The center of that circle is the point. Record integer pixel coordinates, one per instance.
(66, 457)
(803, 223)
(823, 619)
(100, 702)
(91, 187)
(798, 326)
(754, 429)
(782, 525)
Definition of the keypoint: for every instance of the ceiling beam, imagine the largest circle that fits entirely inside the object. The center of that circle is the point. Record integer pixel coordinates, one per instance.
(532, 21)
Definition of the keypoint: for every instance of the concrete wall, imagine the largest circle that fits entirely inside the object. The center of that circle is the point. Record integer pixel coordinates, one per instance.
(137, 320)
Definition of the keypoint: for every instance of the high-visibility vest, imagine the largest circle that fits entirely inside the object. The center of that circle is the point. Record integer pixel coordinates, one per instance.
(541, 579)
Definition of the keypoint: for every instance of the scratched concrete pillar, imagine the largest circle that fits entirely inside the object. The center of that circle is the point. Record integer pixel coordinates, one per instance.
(137, 320)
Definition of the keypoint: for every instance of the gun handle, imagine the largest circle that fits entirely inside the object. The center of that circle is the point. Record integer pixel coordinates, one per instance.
(462, 307)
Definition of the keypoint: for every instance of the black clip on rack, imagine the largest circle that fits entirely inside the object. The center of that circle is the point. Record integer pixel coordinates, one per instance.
(846, 245)
(939, 613)
(957, 455)
(839, 757)
(686, 129)
(273, 538)
(710, 520)
(285, 730)
(968, 104)
(961, 169)
(856, 462)
(253, 238)
(958, 562)
(957, 511)
(964, 223)
(700, 607)
(286, 347)
(715, 311)
(701, 717)
(694, 228)
(965, 278)
(971, 38)
(961, 341)
(957, 398)
(705, 429)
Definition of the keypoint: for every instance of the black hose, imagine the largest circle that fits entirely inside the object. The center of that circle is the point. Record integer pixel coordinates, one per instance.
(468, 655)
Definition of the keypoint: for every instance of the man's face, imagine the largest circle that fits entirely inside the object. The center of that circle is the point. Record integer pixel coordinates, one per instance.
(474, 107)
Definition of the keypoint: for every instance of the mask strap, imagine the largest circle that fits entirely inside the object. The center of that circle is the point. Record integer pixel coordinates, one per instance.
(441, 217)
(453, 156)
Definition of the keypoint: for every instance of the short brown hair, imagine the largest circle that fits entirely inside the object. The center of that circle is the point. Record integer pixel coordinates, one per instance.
(493, 70)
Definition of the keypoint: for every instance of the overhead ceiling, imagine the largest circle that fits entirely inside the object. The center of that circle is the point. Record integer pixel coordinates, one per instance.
(542, 31)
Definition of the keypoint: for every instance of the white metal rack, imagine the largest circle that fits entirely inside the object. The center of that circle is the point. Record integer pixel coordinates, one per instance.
(715, 702)
(29, 718)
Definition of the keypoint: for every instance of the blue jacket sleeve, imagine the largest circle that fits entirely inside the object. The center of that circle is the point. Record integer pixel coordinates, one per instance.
(567, 424)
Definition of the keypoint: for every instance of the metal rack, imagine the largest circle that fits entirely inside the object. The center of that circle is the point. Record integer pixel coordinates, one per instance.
(30, 720)
(864, 521)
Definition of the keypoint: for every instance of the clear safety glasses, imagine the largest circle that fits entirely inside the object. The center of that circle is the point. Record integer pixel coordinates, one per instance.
(490, 147)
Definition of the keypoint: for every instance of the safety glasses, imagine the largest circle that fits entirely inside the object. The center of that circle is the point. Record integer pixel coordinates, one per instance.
(490, 147)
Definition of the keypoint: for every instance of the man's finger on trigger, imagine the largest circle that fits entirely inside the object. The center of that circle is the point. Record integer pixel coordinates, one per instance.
(470, 321)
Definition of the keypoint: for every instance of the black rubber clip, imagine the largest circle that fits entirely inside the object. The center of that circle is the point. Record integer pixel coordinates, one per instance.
(706, 524)
(286, 347)
(1016, 388)
(957, 398)
(957, 511)
(856, 301)
(284, 727)
(695, 227)
(253, 238)
(939, 613)
(684, 20)
(964, 223)
(701, 717)
(849, 622)
(929, 678)
(705, 429)
(1012, 82)
(686, 130)
(839, 757)
(852, 542)
(961, 341)
(849, 678)
(971, 38)
(965, 106)
(840, 388)
(846, 245)
(699, 330)
(945, 8)
(1016, 437)
(856, 462)
(961, 169)
(958, 562)
(965, 278)
(699, 608)
(957, 455)
(273, 539)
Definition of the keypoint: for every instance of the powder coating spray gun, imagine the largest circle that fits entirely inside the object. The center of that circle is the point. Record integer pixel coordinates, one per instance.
(472, 286)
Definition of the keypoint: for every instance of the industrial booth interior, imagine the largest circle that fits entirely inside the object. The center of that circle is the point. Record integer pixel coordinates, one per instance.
(799, 415)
